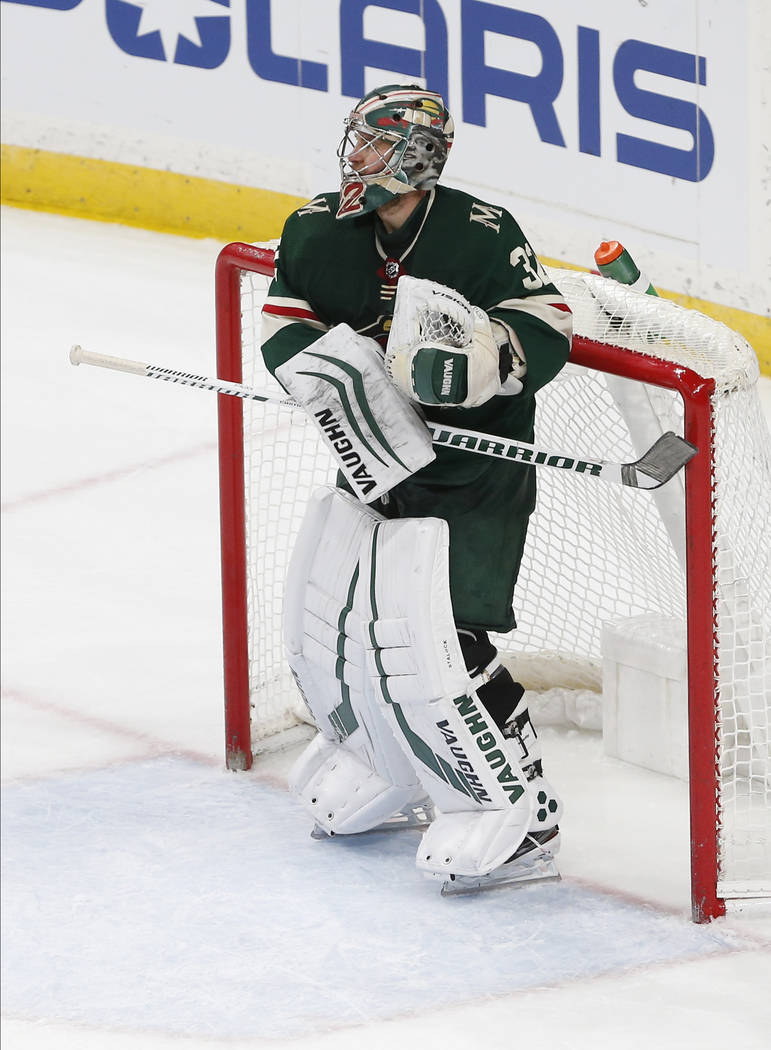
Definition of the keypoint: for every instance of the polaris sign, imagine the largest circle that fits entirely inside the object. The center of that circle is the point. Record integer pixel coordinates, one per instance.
(132, 27)
(539, 91)
(637, 120)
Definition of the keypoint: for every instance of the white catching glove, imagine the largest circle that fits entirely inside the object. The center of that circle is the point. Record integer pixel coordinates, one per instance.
(443, 351)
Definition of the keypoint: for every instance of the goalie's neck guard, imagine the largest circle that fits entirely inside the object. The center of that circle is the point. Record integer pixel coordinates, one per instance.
(396, 140)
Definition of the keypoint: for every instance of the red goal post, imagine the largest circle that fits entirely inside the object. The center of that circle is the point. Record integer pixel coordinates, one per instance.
(619, 334)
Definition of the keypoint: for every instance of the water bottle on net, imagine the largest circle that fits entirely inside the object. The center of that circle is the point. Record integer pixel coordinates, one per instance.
(615, 262)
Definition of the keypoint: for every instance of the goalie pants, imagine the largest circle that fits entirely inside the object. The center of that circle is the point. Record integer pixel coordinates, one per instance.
(487, 515)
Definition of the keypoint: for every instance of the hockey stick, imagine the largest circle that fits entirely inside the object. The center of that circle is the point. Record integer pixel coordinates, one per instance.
(660, 463)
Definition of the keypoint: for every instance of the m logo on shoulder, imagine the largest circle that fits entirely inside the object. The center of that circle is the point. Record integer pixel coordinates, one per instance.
(487, 215)
(313, 207)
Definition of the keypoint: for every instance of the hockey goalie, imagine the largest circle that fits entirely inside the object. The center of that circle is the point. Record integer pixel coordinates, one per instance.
(397, 301)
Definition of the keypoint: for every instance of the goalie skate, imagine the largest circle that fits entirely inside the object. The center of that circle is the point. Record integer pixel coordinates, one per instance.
(418, 816)
(533, 862)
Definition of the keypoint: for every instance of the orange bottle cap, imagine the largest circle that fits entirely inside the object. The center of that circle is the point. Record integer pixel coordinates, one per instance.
(608, 252)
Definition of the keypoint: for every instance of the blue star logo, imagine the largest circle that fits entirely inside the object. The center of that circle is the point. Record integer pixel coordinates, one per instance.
(186, 32)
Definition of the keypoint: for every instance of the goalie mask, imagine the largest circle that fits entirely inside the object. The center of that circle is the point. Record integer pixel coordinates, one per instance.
(396, 140)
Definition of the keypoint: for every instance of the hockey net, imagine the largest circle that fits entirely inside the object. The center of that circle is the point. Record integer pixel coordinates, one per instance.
(692, 558)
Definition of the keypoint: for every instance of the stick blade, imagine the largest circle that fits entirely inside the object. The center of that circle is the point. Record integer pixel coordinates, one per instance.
(661, 462)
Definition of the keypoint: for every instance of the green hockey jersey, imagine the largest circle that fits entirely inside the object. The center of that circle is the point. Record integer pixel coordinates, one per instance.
(331, 271)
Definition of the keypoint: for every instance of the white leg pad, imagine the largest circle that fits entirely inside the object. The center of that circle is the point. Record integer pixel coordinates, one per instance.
(470, 843)
(414, 659)
(341, 791)
(525, 749)
(547, 805)
(354, 776)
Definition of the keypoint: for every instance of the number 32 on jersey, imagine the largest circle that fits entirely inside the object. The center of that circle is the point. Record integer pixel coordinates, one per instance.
(535, 275)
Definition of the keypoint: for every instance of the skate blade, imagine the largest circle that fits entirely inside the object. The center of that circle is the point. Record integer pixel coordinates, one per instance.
(540, 869)
(415, 817)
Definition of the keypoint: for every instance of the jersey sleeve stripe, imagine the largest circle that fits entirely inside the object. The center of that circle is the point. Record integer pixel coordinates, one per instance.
(285, 303)
(290, 311)
(555, 300)
(551, 309)
(274, 322)
(280, 311)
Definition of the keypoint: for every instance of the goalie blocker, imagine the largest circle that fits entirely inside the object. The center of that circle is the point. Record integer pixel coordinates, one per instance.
(373, 645)
(373, 431)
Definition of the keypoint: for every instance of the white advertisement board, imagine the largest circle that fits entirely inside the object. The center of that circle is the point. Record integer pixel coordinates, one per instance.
(641, 120)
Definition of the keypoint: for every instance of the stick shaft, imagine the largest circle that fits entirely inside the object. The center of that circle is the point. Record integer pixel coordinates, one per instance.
(79, 356)
(120, 364)
(451, 437)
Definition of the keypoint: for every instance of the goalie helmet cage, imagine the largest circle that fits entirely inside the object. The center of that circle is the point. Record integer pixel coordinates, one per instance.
(639, 365)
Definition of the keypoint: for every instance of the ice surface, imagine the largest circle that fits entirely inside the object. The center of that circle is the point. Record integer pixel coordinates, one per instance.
(150, 899)
(188, 900)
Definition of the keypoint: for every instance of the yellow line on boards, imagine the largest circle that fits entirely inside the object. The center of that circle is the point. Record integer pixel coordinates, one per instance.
(168, 202)
(135, 196)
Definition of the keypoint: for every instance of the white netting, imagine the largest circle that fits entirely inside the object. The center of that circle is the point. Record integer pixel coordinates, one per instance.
(595, 553)
(283, 463)
(610, 312)
(612, 556)
(743, 578)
